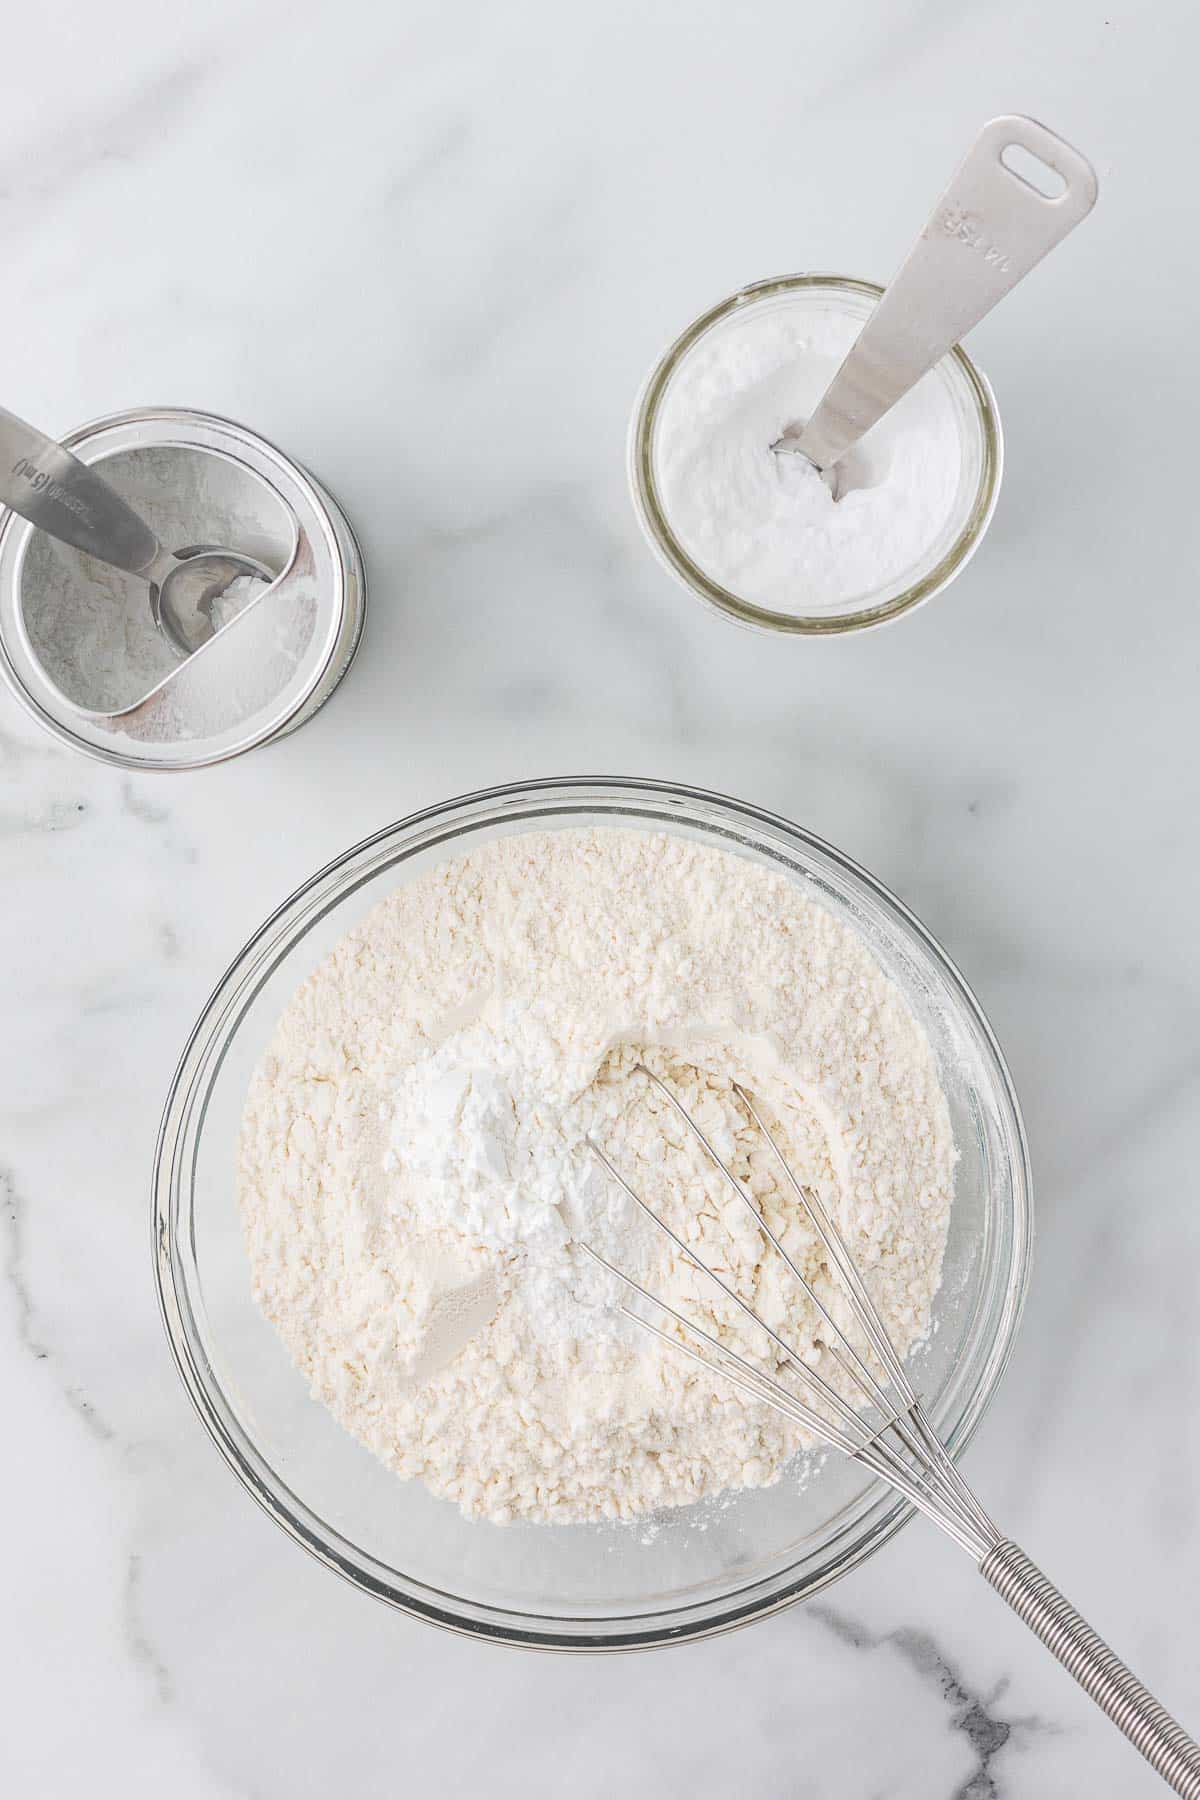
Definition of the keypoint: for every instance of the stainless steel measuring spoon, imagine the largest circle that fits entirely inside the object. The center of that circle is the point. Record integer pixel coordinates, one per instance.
(59, 494)
(990, 227)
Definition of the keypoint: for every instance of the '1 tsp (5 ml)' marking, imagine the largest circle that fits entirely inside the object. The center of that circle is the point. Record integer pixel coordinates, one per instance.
(961, 225)
(46, 485)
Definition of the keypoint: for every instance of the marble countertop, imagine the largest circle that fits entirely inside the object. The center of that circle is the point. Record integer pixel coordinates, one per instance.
(449, 241)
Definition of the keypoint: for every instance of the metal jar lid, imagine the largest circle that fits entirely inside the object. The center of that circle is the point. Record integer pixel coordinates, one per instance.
(78, 647)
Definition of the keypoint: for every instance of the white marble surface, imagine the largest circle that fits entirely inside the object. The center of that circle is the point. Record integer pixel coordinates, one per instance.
(448, 240)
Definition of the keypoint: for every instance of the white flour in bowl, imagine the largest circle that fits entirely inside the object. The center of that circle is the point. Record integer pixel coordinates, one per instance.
(415, 1177)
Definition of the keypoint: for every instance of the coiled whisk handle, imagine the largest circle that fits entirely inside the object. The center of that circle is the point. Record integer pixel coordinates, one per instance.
(1098, 1670)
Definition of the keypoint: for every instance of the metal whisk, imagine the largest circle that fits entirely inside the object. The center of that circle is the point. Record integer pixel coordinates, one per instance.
(896, 1441)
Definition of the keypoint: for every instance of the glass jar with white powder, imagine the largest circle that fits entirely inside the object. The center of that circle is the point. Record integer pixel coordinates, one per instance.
(79, 645)
(758, 533)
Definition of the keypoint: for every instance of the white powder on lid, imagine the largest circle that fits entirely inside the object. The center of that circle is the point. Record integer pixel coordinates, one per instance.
(414, 1173)
(765, 526)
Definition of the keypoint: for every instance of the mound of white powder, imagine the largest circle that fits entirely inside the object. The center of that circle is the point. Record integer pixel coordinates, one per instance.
(765, 526)
(415, 1178)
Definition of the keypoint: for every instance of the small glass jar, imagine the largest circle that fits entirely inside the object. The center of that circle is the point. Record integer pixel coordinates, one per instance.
(78, 645)
(982, 454)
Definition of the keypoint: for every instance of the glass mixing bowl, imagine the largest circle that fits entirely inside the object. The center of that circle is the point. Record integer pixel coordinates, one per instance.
(683, 1573)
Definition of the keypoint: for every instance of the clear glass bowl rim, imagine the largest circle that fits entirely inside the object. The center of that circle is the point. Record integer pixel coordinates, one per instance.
(182, 1123)
(652, 516)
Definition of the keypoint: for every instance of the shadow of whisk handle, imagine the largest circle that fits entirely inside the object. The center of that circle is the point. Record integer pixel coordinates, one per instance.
(1098, 1670)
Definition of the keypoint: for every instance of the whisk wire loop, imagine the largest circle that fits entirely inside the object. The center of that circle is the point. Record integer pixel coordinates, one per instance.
(808, 1375)
(862, 1372)
(908, 1463)
(844, 1351)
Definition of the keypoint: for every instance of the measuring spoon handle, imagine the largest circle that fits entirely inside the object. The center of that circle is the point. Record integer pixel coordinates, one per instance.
(54, 490)
(987, 231)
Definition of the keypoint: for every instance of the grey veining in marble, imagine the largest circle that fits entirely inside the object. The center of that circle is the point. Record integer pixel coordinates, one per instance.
(456, 237)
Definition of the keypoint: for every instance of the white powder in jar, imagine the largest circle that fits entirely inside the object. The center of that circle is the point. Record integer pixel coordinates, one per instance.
(415, 1178)
(765, 526)
(235, 598)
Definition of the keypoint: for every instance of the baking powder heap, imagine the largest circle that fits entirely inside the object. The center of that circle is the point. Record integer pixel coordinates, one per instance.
(416, 1177)
(764, 525)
